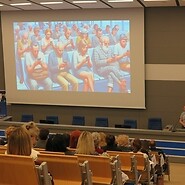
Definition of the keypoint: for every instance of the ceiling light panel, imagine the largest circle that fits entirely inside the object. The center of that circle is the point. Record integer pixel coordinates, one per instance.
(123, 3)
(157, 3)
(55, 4)
(88, 4)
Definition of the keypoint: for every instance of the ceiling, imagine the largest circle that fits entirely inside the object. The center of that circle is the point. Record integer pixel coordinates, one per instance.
(69, 4)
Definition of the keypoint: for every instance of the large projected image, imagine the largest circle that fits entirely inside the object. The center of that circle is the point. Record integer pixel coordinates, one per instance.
(81, 56)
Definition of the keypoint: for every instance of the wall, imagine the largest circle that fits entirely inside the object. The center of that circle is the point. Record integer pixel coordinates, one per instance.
(165, 80)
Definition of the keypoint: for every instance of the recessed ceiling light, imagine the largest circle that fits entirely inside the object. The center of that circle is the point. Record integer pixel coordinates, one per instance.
(50, 3)
(120, 1)
(20, 4)
(84, 2)
(1, 5)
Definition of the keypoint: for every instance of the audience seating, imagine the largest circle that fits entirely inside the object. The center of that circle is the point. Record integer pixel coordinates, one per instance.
(130, 123)
(3, 149)
(155, 123)
(19, 170)
(26, 117)
(65, 169)
(101, 122)
(78, 120)
(54, 119)
(100, 166)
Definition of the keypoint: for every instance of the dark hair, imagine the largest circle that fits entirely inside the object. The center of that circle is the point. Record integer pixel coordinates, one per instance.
(136, 144)
(110, 140)
(43, 134)
(56, 143)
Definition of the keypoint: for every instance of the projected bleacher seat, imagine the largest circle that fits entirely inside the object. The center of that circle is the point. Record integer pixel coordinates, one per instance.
(130, 123)
(52, 118)
(101, 122)
(26, 117)
(78, 120)
(155, 123)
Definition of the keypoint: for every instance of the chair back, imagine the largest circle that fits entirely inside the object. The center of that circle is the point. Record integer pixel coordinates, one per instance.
(78, 120)
(155, 123)
(101, 122)
(26, 117)
(130, 123)
(18, 170)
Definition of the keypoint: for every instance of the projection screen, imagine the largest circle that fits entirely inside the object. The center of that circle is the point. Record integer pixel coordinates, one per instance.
(75, 57)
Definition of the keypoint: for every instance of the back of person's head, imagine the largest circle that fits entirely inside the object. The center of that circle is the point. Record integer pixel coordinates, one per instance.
(67, 139)
(85, 144)
(152, 144)
(33, 130)
(19, 142)
(102, 139)
(122, 140)
(74, 138)
(96, 138)
(9, 130)
(136, 145)
(43, 134)
(110, 140)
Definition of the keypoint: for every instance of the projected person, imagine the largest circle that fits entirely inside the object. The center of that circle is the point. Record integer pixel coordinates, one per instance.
(96, 39)
(67, 40)
(122, 53)
(82, 66)
(36, 37)
(47, 43)
(84, 36)
(56, 33)
(113, 37)
(107, 30)
(58, 63)
(104, 65)
(37, 69)
(23, 47)
(182, 118)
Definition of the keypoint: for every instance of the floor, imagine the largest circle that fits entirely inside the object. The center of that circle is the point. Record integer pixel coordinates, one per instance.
(177, 177)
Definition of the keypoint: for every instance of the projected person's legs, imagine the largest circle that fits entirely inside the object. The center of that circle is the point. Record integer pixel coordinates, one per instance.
(46, 83)
(63, 82)
(32, 84)
(89, 79)
(73, 81)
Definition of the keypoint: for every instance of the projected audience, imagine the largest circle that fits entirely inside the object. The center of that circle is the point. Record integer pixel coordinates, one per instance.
(114, 37)
(82, 66)
(122, 53)
(76, 67)
(106, 65)
(67, 40)
(96, 39)
(23, 47)
(59, 68)
(47, 43)
(37, 69)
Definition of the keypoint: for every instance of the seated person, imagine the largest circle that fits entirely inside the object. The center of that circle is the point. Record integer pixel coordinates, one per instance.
(182, 118)
(123, 143)
(58, 63)
(37, 69)
(57, 143)
(96, 138)
(42, 138)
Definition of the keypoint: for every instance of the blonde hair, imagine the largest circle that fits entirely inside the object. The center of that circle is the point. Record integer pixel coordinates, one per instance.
(85, 144)
(19, 142)
(32, 128)
(9, 130)
(102, 139)
(96, 138)
(122, 140)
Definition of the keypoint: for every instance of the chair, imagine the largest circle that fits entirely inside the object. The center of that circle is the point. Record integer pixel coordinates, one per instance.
(130, 123)
(52, 118)
(155, 123)
(65, 169)
(18, 170)
(100, 167)
(78, 120)
(101, 122)
(26, 117)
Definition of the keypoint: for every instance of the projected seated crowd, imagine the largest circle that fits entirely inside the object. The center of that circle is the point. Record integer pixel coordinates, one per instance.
(81, 56)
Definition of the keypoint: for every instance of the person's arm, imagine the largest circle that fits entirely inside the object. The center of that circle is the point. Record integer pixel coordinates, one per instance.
(182, 122)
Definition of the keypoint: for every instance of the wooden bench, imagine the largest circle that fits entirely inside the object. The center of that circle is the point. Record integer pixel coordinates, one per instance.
(65, 169)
